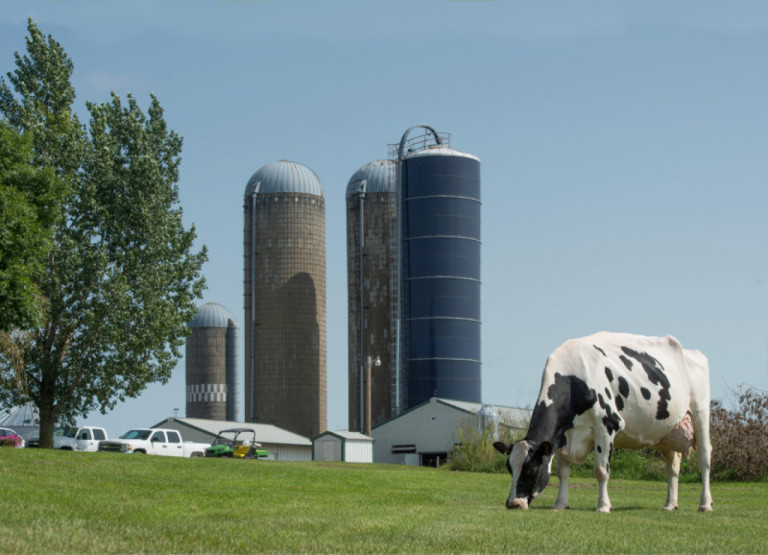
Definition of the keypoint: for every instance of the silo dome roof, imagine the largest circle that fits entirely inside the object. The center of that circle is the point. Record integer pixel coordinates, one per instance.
(213, 315)
(285, 177)
(439, 150)
(379, 176)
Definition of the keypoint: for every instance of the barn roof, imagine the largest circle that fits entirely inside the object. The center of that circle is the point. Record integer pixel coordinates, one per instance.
(265, 433)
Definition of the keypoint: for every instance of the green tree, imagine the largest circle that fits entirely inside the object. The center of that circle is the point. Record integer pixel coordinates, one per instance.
(26, 204)
(121, 277)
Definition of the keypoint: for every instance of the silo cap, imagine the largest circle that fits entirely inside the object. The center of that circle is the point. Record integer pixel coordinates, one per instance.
(285, 176)
(379, 176)
(213, 315)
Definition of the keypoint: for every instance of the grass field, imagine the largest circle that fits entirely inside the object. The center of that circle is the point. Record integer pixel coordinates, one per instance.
(63, 502)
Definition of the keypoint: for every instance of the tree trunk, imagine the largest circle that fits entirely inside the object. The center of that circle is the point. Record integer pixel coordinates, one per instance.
(48, 414)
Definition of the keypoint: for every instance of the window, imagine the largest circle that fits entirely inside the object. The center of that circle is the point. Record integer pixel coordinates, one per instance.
(99, 434)
(158, 436)
(173, 437)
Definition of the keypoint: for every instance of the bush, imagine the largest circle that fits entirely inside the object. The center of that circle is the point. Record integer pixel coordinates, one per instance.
(740, 437)
(474, 451)
(11, 440)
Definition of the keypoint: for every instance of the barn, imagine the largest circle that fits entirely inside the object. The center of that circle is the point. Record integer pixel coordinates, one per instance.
(282, 444)
(426, 434)
(343, 446)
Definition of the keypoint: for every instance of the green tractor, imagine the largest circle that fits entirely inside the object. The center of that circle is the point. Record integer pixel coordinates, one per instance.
(239, 443)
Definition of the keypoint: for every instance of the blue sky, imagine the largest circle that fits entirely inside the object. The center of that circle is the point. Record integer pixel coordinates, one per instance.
(622, 144)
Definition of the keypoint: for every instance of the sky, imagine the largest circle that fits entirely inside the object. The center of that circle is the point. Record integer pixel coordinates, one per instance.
(622, 147)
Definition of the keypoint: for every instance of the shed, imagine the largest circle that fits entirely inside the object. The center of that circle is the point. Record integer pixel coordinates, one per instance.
(343, 446)
(283, 445)
(426, 434)
(23, 419)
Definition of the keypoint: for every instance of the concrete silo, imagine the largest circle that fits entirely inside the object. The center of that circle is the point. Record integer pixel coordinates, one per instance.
(372, 292)
(211, 364)
(439, 216)
(285, 314)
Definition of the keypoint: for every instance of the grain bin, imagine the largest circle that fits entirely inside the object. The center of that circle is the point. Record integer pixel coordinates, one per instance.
(211, 364)
(439, 217)
(284, 300)
(372, 290)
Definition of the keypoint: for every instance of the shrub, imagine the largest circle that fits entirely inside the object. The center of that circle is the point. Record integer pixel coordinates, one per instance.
(11, 440)
(474, 451)
(740, 437)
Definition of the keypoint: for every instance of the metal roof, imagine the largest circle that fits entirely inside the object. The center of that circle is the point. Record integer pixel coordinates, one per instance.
(439, 151)
(265, 433)
(20, 416)
(285, 176)
(379, 176)
(346, 435)
(213, 315)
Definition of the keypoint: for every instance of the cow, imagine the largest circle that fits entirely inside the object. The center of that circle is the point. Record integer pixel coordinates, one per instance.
(613, 390)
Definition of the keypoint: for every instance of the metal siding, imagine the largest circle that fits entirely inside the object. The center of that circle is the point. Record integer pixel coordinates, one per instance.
(440, 276)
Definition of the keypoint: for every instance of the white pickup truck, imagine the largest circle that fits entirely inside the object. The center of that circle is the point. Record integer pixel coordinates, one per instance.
(84, 438)
(154, 441)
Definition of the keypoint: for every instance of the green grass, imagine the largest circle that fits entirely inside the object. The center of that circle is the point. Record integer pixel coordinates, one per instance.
(63, 502)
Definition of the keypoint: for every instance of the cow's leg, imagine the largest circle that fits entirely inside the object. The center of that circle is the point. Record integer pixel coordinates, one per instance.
(603, 449)
(563, 474)
(700, 418)
(672, 459)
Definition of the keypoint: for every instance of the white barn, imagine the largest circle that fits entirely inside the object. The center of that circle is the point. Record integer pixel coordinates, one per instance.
(427, 433)
(343, 446)
(282, 444)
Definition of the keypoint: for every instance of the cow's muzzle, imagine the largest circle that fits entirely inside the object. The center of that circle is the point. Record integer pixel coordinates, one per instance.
(517, 503)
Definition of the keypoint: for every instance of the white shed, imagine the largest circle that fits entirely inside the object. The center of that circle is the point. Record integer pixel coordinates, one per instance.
(343, 446)
(427, 433)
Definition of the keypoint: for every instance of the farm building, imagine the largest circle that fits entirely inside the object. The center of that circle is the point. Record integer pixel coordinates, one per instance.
(22, 419)
(343, 446)
(282, 444)
(426, 434)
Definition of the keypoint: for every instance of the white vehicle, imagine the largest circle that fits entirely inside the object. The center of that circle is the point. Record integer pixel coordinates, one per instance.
(154, 441)
(84, 438)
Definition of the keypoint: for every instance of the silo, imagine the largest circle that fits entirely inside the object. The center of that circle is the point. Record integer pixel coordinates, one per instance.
(439, 270)
(372, 291)
(211, 364)
(284, 284)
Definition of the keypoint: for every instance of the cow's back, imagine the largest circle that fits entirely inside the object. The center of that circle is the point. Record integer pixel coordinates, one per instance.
(645, 385)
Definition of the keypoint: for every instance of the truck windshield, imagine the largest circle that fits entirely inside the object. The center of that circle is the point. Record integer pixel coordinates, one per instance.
(136, 434)
(69, 432)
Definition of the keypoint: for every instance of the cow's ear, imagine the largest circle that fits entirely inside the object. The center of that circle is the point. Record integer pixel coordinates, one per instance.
(503, 447)
(545, 449)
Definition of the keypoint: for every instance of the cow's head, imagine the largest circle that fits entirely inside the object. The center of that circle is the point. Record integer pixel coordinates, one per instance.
(529, 464)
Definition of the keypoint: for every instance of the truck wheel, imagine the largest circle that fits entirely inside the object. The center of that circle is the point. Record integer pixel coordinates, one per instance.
(196, 454)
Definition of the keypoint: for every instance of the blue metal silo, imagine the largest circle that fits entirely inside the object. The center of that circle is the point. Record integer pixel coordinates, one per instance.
(440, 321)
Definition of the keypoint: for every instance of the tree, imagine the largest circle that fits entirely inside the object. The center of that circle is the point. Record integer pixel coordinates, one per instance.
(122, 277)
(27, 199)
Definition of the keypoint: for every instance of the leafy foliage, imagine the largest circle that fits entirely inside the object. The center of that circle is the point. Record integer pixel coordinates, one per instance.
(740, 436)
(474, 451)
(28, 197)
(121, 277)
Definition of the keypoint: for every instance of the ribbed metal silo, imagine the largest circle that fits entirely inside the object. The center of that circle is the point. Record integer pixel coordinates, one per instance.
(372, 290)
(285, 304)
(440, 323)
(211, 364)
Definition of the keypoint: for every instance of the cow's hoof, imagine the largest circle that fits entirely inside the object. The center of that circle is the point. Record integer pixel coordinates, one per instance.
(605, 510)
(561, 508)
(670, 508)
(705, 508)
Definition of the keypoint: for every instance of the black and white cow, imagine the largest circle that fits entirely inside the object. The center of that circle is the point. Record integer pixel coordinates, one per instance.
(613, 390)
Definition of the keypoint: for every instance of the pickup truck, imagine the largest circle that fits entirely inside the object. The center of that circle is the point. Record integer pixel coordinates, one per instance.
(154, 441)
(84, 438)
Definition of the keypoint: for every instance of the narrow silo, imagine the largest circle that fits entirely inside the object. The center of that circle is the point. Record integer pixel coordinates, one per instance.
(211, 364)
(372, 291)
(439, 270)
(284, 284)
